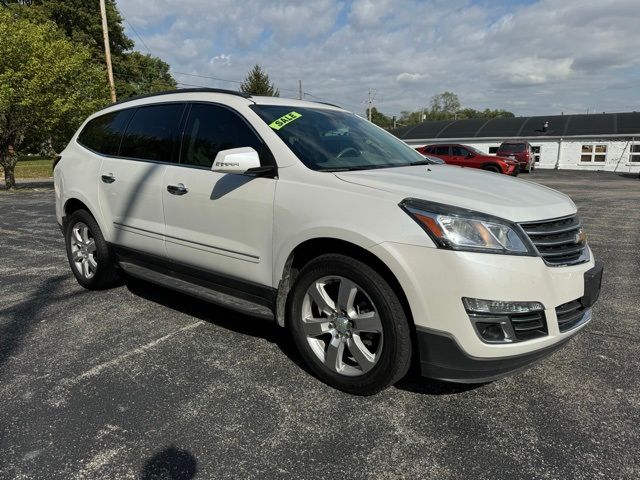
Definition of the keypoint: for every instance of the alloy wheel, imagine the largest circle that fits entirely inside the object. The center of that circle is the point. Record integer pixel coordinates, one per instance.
(83, 250)
(342, 325)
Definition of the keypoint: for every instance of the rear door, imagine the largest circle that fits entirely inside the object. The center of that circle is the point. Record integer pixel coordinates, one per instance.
(131, 182)
(216, 222)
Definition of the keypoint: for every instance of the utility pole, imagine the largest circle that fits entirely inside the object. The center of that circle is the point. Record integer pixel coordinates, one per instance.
(369, 107)
(107, 50)
(300, 89)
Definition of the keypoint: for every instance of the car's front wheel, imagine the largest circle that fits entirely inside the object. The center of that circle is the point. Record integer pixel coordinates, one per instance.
(88, 253)
(491, 168)
(349, 325)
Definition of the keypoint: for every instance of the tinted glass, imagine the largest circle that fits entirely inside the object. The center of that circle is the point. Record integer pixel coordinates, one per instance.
(442, 150)
(103, 133)
(152, 132)
(211, 128)
(459, 151)
(512, 147)
(332, 140)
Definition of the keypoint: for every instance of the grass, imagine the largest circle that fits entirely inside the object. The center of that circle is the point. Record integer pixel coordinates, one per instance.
(33, 167)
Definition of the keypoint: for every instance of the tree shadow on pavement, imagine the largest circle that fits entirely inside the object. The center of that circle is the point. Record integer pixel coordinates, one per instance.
(23, 315)
(170, 464)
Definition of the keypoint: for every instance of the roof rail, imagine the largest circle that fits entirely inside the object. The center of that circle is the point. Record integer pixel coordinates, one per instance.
(330, 104)
(182, 90)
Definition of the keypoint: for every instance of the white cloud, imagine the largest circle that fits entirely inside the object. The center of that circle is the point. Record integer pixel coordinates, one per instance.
(544, 57)
(406, 77)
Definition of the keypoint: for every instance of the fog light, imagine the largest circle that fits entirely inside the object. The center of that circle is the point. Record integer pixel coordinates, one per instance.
(499, 307)
(491, 332)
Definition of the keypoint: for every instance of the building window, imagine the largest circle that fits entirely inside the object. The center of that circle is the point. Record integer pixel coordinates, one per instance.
(634, 154)
(593, 153)
(494, 150)
(536, 153)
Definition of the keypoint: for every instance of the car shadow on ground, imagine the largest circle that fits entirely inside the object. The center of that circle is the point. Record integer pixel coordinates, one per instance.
(217, 315)
(256, 327)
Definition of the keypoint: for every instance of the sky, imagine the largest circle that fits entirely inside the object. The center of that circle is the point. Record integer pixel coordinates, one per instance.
(529, 57)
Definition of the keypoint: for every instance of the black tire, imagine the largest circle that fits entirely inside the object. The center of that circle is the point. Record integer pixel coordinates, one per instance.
(105, 274)
(491, 168)
(394, 356)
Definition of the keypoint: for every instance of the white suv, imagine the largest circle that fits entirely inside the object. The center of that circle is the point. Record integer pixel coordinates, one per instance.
(309, 215)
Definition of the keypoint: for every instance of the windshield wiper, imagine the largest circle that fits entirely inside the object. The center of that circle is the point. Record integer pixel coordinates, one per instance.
(421, 162)
(352, 169)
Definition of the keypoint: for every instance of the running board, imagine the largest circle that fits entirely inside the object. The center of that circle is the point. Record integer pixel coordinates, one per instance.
(223, 299)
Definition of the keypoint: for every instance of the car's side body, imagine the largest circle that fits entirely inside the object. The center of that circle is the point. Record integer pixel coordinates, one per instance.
(465, 156)
(238, 240)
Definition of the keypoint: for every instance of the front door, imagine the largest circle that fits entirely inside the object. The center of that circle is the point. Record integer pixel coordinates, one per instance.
(220, 223)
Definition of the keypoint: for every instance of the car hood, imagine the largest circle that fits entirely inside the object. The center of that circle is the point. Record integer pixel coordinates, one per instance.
(500, 195)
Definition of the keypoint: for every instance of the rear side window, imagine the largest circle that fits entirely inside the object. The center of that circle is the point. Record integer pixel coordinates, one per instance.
(152, 133)
(211, 128)
(103, 134)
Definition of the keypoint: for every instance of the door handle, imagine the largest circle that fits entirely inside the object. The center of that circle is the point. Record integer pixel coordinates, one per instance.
(178, 189)
(109, 178)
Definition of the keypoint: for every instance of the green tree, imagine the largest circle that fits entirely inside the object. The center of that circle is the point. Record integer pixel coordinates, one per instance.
(48, 85)
(379, 118)
(444, 105)
(257, 82)
(80, 20)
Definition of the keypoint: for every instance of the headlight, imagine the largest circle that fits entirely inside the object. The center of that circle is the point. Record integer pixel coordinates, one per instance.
(460, 229)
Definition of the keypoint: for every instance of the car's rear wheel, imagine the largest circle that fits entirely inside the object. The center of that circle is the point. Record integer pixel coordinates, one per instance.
(88, 253)
(491, 168)
(349, 325)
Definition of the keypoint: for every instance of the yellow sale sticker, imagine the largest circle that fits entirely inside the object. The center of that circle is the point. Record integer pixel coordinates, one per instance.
(284, 120)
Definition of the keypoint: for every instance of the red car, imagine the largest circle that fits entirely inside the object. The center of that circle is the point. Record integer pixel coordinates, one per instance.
(520, 151)
(466, 156)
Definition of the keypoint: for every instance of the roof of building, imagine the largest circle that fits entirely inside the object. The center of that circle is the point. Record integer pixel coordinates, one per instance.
(525, 127)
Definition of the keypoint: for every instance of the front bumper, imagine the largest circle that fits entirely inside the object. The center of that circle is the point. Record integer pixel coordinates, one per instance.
(434, 282)
(442, 358)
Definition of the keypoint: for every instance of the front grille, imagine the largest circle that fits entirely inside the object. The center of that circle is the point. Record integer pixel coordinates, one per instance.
(527, 326)
(559, 241)
(569, 315)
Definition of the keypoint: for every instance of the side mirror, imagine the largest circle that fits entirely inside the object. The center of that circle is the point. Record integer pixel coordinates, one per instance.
(236, 160)
(470, 155)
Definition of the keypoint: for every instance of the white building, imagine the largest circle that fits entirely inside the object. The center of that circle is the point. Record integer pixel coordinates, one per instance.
(607, 141)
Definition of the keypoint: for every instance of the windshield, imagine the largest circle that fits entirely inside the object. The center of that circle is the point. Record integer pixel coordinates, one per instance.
(331, 140)
(512, 147)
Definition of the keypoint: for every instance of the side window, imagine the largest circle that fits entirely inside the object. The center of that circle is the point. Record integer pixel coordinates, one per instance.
(443, 150)
(211, 128)
(103, 134)
(153, 132)
(430, 150)
(459, 152)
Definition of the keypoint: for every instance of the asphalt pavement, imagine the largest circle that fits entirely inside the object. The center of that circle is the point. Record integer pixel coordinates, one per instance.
(141, 382)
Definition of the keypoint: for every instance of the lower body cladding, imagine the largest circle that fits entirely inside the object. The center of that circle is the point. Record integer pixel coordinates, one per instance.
(542, 308)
